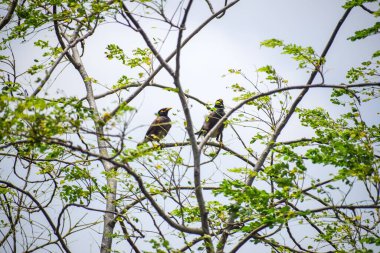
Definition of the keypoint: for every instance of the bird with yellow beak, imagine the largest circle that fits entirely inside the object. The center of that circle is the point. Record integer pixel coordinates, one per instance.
(159, 127)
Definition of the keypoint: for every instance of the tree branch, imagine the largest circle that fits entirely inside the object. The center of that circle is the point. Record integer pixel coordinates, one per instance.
(137, 178)
(8, 16)
(155, 72)
(42, 209)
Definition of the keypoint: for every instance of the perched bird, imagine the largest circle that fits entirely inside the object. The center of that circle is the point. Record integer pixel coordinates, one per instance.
(159, 127)
(215, 115)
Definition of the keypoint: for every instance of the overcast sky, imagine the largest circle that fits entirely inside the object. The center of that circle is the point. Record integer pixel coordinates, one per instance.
(230, 42)
(234, 42)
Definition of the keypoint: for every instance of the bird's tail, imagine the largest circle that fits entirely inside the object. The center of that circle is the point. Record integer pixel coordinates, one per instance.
(199, 133)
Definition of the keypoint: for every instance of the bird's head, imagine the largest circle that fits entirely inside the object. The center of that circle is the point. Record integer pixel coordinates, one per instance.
(164, 111)
(219, 104)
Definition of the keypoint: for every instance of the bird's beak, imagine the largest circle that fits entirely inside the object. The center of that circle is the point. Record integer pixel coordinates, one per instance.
(168, 109)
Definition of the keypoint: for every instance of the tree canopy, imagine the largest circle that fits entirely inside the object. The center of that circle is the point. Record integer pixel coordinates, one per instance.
(297, 169)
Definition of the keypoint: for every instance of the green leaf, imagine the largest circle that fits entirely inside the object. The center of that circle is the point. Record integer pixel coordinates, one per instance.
(272, 43)
(364, 33)
(354, 3)
(376, 54)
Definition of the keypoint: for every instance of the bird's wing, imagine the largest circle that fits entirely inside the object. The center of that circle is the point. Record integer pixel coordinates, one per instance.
(210, 121)
(153, 127)
(159, 127)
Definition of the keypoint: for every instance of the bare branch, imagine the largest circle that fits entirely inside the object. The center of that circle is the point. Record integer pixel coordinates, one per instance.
(42, 209)
(8, 16)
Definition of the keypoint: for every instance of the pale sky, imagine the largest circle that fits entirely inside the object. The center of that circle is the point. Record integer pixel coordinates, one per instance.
(230, 42)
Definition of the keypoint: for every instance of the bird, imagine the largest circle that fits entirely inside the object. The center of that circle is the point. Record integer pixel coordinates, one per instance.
(159, 127)
(214, 116)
